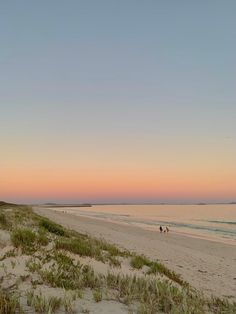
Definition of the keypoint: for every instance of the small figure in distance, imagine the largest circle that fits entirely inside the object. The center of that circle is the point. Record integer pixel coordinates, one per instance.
(167, 229)
(161, 229)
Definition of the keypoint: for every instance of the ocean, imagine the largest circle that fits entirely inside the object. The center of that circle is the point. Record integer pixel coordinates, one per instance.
(212, 222)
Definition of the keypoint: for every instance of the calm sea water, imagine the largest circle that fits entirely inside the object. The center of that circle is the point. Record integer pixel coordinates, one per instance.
(213, 222)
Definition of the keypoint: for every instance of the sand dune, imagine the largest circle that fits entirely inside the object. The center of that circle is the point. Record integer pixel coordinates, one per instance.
(208, 266)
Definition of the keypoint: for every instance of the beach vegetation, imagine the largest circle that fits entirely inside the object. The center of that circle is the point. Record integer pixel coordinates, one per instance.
(222, 306)
(52, 227)
(80, 246)
(155, 268)
(111, 249)
(159, 268)
(70, 276)
(62, 273)
(33, 265)
(97, 295)
(42, 237)
(9, 304)
(41, 304)
(10, 253)
(24, 238)
(68, 304)
(138, 262)
(4, 224)
(113, 261)
(154, 295)
(86, 246)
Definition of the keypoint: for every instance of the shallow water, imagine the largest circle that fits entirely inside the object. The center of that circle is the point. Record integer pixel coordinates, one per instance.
(213, 222)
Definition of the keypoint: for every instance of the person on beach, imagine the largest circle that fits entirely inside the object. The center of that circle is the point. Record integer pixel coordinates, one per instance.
(161, 229)
(167, 229)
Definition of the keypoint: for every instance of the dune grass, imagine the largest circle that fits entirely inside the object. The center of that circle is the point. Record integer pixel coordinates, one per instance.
(52, 227)
(114, 262)
(24, 238)
(41, 304)
(138, 262)
(159, 268)
(3, 221)
(94, 248)
(42, 237)
(68, 275)
(78, 246)
(8, 304)
(97, 295)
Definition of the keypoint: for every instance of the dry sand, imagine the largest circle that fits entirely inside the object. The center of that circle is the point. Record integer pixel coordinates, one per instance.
(208, 266)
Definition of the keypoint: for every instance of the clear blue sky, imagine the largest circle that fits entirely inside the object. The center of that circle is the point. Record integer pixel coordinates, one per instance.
(96, 78)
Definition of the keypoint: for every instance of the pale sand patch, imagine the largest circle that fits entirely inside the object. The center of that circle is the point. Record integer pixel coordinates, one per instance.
(208, 266)
(5, 238)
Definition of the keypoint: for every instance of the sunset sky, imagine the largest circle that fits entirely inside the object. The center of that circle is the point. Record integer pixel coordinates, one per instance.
(117, 101)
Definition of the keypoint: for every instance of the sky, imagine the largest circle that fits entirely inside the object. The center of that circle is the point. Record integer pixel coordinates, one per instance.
(117, 101)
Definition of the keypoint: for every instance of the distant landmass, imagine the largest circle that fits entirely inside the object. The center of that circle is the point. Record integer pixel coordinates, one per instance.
(66, 205)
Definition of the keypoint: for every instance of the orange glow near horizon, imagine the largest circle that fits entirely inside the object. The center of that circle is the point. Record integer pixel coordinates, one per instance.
(134, 183)
(177, 171)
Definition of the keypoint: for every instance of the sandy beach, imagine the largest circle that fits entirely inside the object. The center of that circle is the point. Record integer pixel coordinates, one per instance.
(208, 266)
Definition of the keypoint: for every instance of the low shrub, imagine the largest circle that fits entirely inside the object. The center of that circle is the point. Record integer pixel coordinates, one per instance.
(24, 238)
(97, 295)
(105, 246)
(52, 227)
(138, 262)
(42, 237)
(4, 223)
(162, 269)
(78, 246)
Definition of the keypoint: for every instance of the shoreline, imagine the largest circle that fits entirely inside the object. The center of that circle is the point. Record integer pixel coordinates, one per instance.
(217, 230)
(206, 265)
(155, 229)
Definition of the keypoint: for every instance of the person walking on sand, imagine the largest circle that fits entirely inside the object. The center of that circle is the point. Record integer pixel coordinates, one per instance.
(167, 229)
(161, 229)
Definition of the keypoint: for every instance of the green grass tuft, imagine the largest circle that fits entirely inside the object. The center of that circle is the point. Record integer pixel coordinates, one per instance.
(222, 306)
(138, 262)
(24, 238)
(78, 246)
(3, 219)
(42, 237)
(52, 227)
(42, 304)
(8, 304)
(156, 268)
(4, 223)
(97, 295)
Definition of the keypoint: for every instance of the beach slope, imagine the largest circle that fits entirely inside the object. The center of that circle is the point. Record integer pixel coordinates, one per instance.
(208, 266)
